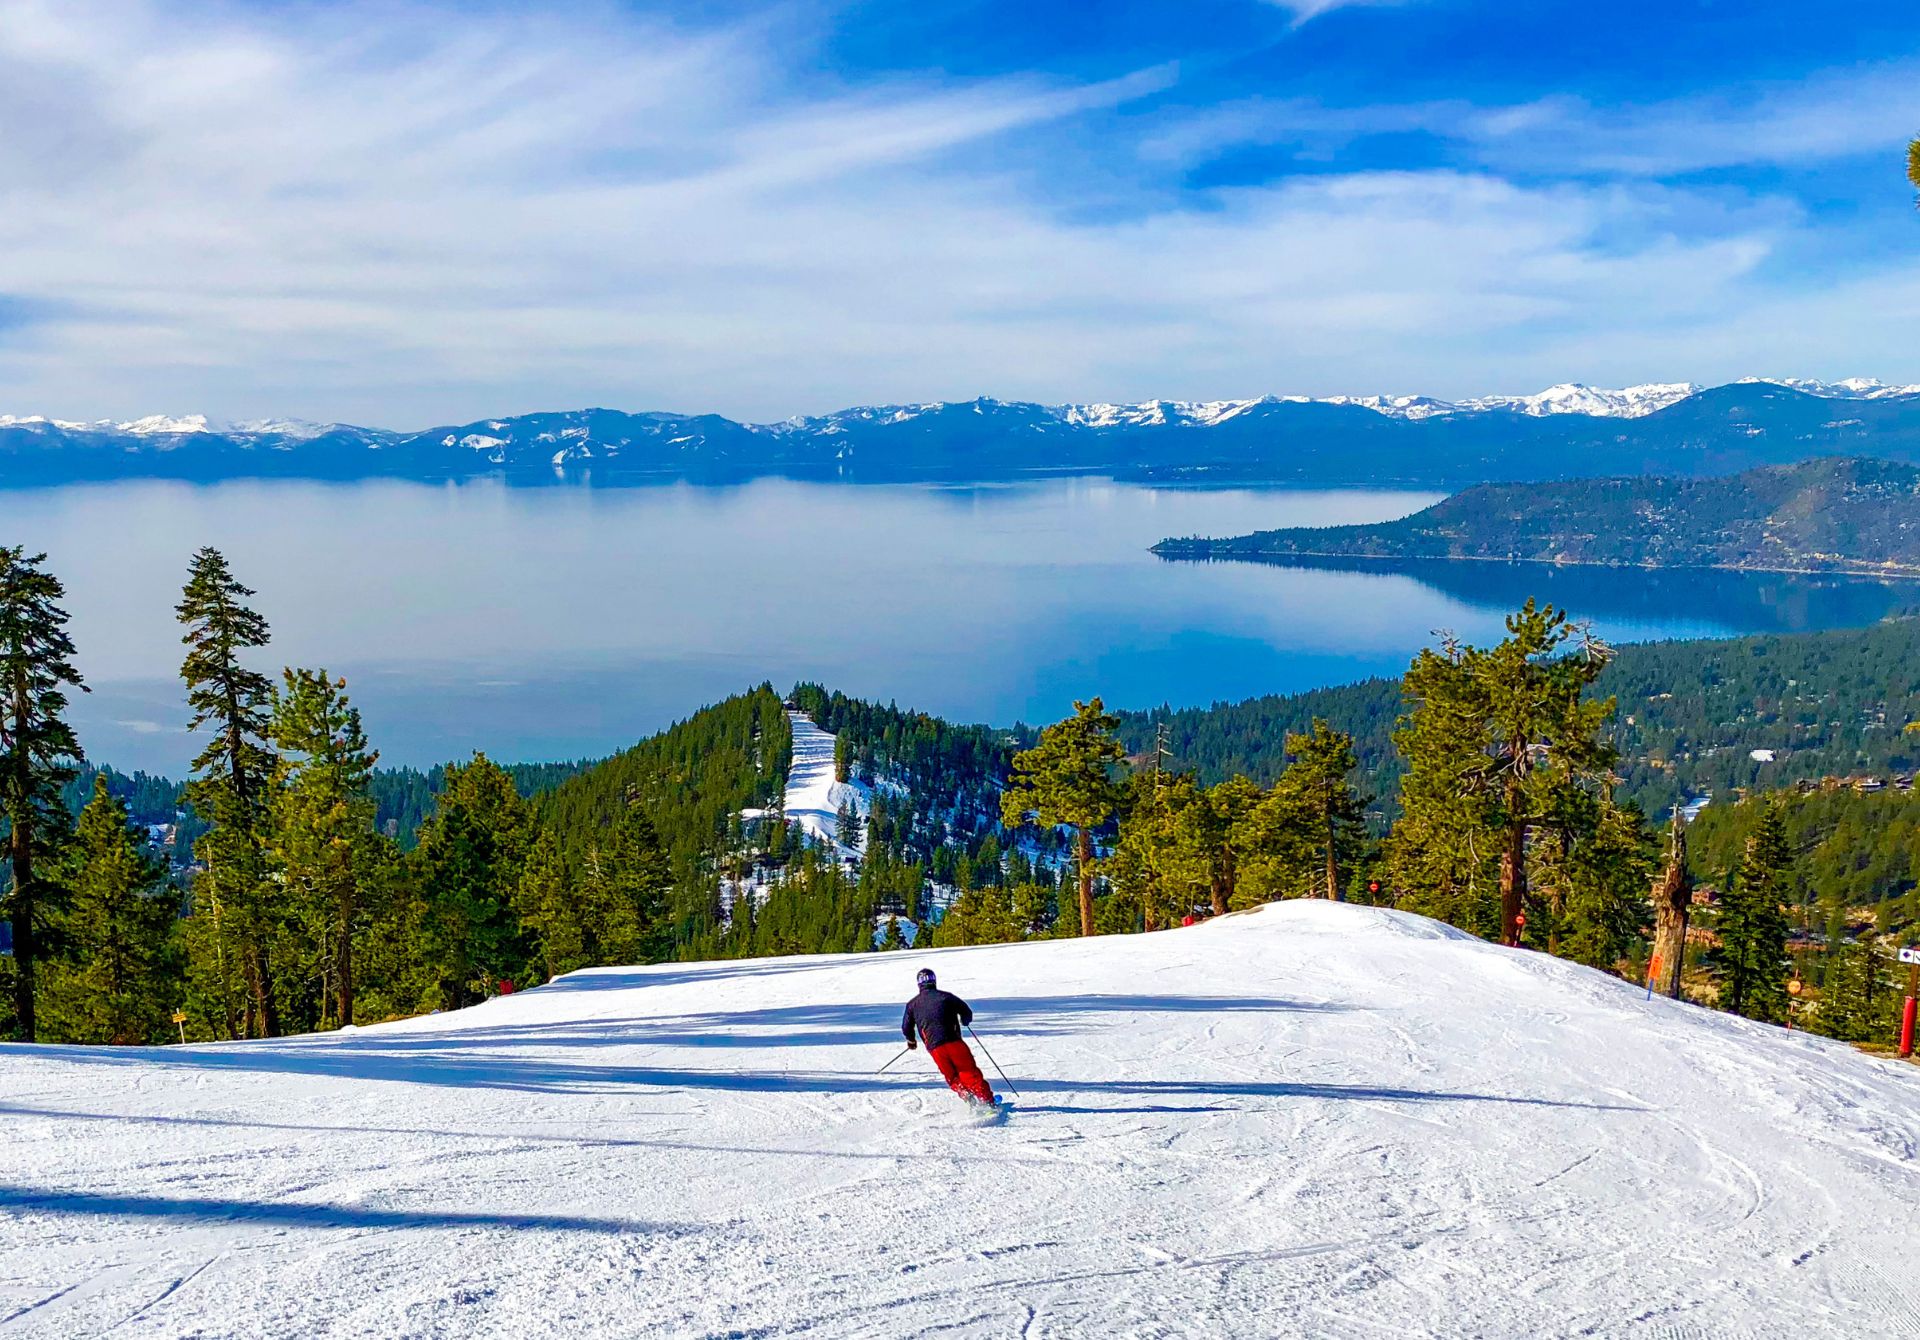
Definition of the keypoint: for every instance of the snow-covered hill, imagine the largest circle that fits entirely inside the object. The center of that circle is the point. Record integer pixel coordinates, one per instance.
(1306, 1120)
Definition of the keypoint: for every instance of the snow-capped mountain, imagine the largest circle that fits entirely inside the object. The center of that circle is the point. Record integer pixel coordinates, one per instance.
(1564, 431)
(1853, 388)
(1630, 402)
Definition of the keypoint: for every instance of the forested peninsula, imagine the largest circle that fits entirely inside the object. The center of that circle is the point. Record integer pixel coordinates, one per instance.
(1836, 514)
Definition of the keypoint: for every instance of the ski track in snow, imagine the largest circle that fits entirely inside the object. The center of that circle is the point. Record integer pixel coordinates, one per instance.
(1306, 1120)
(813, 797)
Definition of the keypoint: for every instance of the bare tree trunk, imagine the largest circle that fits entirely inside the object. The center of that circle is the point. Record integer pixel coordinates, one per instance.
(1084, 845)
(1672, 906)
(343, 964)
(20, 854)
(1513, 883)
(1333, 866)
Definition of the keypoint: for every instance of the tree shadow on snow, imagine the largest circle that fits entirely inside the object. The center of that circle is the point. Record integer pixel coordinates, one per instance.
(482, 1070)
(843, 1025)
(296, 1215)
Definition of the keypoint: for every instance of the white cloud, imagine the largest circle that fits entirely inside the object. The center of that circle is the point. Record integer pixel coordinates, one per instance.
(407, 216)
(1833, 115)
(1303, 10)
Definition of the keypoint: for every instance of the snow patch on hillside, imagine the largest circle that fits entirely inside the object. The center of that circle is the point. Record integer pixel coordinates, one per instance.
(813, 797)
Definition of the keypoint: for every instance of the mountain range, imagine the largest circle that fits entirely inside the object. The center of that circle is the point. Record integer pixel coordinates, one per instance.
(1834, 514)
(1564, 432)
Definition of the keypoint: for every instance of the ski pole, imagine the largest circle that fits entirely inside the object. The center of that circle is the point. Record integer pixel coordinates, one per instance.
(995, 1064)
(903, 1052)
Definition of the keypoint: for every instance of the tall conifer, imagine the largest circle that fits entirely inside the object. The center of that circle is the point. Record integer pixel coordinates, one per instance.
(38, 755)
(1753, 923)
(1492, 738)
(232, 776)
(119, 980)
(1066, 779)
(1318, 784)
(322, 823)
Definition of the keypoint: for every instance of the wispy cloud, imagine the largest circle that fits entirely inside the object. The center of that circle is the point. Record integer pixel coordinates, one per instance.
(1834, 115)
(409, 215)
(1302, 10)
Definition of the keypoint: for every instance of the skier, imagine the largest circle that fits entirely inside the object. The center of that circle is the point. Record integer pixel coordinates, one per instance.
(938, 1016)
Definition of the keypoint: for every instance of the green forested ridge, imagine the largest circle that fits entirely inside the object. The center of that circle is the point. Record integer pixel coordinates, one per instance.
(1690, 714)
(1831, 515)
(1513, 790)
(939, 782)
(402, 797)
(691, 780)
(1856, 855)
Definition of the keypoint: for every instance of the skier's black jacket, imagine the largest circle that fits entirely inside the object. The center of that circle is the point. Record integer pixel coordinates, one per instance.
(937, 1015)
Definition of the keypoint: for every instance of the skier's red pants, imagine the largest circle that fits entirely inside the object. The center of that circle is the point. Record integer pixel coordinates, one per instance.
(958, 1069)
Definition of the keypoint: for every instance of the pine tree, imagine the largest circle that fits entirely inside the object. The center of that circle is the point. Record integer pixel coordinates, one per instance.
(1066, 780)
(321, 824)
(1208, 836)
(230, 791)
(466, 870)
(1859, 997)
(623, 887)
(120, 979)
(1607, 875)
(1318, 785)
(549, 910)
(1753, 926)
(846, 825)
(39, 754)
(1154, 875)
(893, 937)
(1491, 737)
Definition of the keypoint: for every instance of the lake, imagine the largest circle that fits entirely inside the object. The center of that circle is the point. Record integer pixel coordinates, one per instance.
(546, 623)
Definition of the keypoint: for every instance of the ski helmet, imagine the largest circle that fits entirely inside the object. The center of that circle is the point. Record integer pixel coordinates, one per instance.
(924, 978)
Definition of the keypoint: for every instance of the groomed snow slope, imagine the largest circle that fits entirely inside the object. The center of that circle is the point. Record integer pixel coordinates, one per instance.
(813, 798)
(1306, 1120)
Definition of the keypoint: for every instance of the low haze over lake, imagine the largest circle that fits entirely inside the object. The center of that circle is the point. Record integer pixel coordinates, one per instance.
(562, 622)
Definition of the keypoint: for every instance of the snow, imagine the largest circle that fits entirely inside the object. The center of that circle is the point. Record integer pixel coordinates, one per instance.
(813, 797)
(1305, 1120)
(155, 425)
(1849, 388)
(301, 430)
(1630, 402)
(1568, 398)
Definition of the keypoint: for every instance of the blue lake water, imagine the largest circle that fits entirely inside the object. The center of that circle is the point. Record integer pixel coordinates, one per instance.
(540, 623)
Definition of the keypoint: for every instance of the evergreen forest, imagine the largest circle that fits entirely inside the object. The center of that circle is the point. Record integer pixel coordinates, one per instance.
(1531, 792)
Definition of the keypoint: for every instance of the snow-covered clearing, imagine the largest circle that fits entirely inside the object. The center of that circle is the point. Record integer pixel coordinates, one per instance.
(1305, 1120)
(813, 797)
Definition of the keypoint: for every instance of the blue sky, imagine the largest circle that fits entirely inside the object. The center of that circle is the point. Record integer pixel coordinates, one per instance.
(406, 214)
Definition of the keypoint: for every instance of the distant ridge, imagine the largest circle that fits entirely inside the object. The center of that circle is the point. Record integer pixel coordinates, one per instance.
(1629, 402)
(1831, 515)
(1565, 431)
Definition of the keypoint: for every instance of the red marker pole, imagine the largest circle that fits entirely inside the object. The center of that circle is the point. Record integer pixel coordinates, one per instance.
(1912, 956)
(1519, 929)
